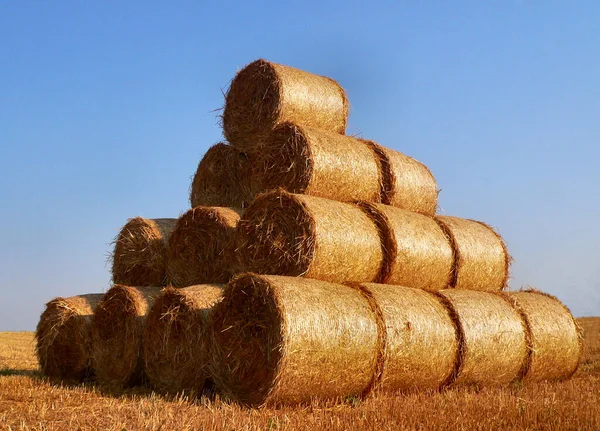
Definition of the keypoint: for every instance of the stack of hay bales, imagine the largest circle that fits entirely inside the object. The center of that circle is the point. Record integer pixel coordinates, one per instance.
(310, 264)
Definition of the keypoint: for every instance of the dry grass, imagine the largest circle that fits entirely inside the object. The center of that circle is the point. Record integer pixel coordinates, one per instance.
(28, 402)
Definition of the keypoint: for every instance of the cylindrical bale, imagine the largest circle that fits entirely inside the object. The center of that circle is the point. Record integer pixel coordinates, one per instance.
(138, 258)
(222, 179)
(264, 94)
(556, 342)
(288, 340)
(63, 339)
(117, 333)
(421, 346)
(417, 251)
(176, 338)
(287, 234)
(406, 182)
(492, 335)
(481, 259)
(316, 162)
(200, 249)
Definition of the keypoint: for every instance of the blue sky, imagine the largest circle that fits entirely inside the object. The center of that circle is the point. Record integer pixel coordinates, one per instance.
(106, 108)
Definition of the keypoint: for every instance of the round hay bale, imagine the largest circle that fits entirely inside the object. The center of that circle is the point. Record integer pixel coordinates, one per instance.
(556, 340)
(117, 332)
(201, 245)
(63, 339)
(406, 182)
(288, 340)
(222, 179)
(315, 162)
(421, 346)
(138, 258)
(264, 94)
(287, 234)
(417, 251)
(494, 339)
(176, 338)
(481, 259)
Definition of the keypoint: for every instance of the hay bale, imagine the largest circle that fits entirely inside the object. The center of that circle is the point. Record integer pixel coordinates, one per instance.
(201, 245)
(117, 332)
(222, 179)
(264, 94)
(315, 162)
(417, 251)
(63, 339)
(287, 340)
(406, 182)
(482, 260)
(556, 340)
(421, 346)
(287, 234)
(138, 258)
(493, 335)
(176, 338)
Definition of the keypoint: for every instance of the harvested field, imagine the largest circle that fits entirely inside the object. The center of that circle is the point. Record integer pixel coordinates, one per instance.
(28, 402)
(222, 179)
(264, 94)
(200, 249)
(138, 258)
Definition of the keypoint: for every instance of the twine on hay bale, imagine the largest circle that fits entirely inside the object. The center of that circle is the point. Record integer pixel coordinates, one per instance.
(417, 251)
(288, 340)
(200, 249)
(405, 182)
(287, 234)
(482, 261)
(138, 258)
(264, 94)
(63, 339)
(316, 162)
(420, 338)
(556, 339)
(493, 334)
(117, 332)
(222, 179)
(176, 338)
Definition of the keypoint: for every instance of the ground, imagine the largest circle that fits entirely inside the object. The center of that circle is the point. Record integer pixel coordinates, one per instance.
(30, 402)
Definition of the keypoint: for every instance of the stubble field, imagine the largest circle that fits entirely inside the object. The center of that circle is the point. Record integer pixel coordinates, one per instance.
(28, 401)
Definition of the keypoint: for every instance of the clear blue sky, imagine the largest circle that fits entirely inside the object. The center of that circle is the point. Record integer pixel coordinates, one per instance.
(106, 108)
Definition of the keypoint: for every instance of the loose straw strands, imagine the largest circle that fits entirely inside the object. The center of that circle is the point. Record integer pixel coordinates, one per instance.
(138, 258)
(176, 338)
(264, 94)
(63, 339)
(200, 249)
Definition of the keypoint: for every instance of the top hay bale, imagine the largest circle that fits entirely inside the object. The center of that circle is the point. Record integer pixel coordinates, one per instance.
(140, 248)
(264, 94)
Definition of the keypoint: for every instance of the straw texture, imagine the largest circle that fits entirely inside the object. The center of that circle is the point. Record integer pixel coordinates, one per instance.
(117, 332)
(316, 162)
(421, 345)
(405, 182)
(288, 234)
(63, 340)
(139, 254)
(493, 333)
(201, 246)
(482, 261)
(264, 94)
(417, 251)
(176, 338)
(222, 179)
(556, 341)
(287, 340)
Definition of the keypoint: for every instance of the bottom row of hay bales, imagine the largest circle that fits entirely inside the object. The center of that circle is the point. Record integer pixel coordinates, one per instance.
(275, 339)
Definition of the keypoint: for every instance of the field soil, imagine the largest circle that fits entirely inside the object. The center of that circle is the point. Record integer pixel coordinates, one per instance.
(28, 401)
